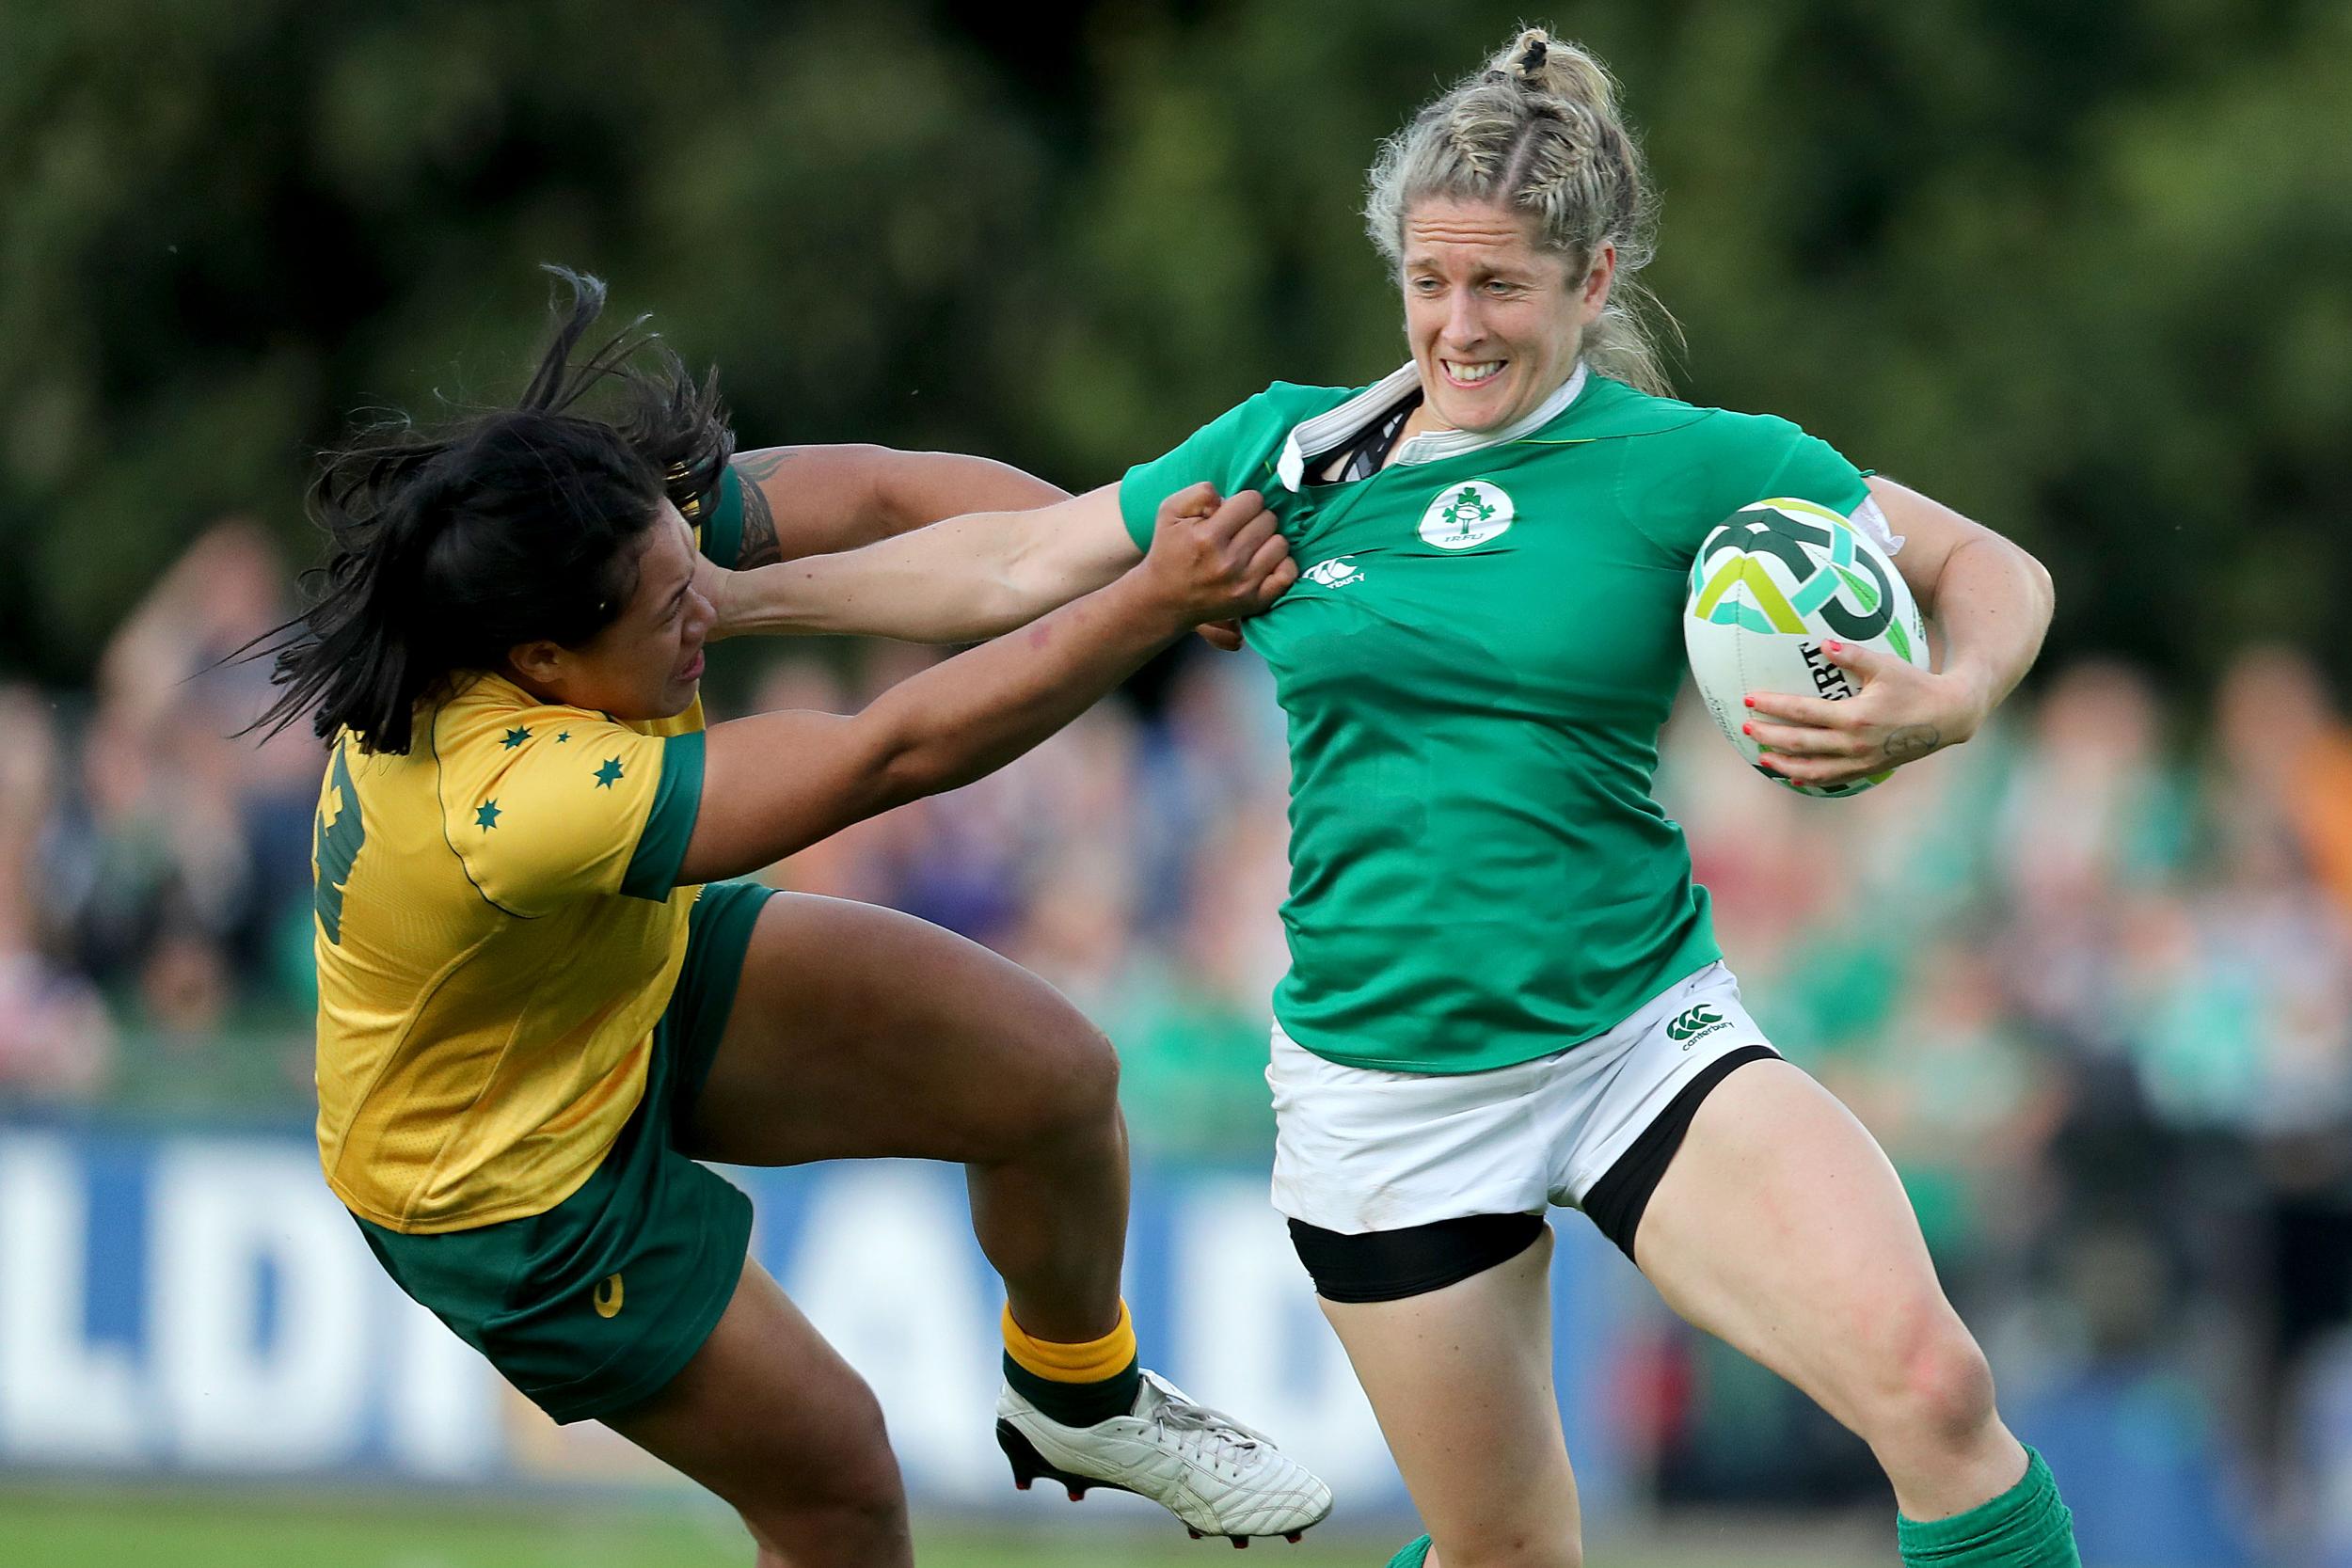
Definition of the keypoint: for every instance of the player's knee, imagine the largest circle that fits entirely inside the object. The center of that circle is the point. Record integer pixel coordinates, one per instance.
(1096, 1091)
(1934, 1386)
(866, 1477)
(852, 1495)
(872, 1489)
(1951, 1385)
(850, 1530)
(1078, 1093)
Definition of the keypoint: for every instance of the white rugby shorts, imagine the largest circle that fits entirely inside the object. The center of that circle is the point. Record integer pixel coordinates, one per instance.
(1361, 1149)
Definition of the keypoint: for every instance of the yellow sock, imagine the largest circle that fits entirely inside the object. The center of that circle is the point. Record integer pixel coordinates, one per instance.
(1077, 1386)
(1095, 1361)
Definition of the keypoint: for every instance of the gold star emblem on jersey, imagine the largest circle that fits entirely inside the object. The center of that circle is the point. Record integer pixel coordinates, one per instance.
(608, 1297)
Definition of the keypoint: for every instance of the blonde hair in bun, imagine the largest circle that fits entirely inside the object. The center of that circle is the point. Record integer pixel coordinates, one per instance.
(1538, 130)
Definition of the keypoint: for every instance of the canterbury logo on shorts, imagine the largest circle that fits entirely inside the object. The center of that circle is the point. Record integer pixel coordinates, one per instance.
(1695, 1024)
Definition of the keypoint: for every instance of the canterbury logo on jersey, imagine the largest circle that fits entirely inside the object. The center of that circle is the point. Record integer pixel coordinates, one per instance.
(1338, 572)
(608, 1297)
(1694, 1023)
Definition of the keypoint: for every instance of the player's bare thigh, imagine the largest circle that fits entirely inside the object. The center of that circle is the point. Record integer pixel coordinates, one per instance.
(1781, 1227)
(860, 1032)
(768, 1417)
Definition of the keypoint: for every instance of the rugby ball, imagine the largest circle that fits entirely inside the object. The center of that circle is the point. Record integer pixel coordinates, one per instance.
(1774, 582)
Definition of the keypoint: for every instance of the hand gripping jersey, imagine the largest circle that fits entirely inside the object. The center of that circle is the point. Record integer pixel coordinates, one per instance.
(1482, 643)
(496, 934)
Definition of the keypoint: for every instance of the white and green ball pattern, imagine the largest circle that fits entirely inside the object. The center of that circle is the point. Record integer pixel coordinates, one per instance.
(1769, 585)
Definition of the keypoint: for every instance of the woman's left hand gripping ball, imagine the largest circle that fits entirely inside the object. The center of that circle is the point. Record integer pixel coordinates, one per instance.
(1900, 714)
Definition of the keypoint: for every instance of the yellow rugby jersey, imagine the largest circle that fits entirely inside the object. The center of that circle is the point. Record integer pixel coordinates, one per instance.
(497, 935)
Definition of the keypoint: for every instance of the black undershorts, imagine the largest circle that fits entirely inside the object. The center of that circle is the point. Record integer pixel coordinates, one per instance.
(1391, 1265)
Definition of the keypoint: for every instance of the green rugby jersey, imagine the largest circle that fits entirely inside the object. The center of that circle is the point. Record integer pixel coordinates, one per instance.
(1485, 638)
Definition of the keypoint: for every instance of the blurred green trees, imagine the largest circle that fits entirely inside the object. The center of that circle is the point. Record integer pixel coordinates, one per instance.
(2076, 266)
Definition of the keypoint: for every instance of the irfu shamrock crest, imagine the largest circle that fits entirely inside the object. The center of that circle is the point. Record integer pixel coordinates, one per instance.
(1466, 515)
(1468, 510)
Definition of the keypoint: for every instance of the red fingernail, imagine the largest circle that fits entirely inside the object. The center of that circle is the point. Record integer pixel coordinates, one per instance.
(1750, 700)
(1747, 729)
(1834, 647)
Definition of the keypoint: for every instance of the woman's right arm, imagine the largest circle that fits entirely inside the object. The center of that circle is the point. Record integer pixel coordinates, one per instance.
(778, 782)
(955, 582)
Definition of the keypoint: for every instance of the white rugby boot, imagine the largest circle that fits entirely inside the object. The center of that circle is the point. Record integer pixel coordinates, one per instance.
(1216, 1475)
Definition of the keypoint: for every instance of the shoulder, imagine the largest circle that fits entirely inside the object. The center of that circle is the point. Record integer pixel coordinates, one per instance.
(1686, 467)
(1238, 450)
(1692, 431)
(489, 720)
(1295, 400)
(543, 801)
(1745, 441)
(1266, 418)
(494, 744)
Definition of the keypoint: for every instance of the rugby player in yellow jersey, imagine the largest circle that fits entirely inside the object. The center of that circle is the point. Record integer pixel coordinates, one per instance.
(535, 1017)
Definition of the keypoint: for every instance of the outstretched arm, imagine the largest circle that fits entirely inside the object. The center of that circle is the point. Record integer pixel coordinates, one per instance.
(1991, 600)
(777, 781)
(813, 501)
(955, 581)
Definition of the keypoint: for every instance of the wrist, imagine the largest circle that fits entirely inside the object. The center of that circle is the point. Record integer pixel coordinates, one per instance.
(717, 584)
(764, 600)
(1140, 599)
(1972, 699)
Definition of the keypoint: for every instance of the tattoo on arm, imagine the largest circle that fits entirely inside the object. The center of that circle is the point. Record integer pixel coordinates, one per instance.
(1912, 742)
(760, 545)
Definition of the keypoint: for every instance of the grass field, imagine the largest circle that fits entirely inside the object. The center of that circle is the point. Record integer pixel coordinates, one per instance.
(69, 1529)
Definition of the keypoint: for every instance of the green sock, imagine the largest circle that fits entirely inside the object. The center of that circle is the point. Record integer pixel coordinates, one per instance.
(2026, 1527)
(1077, 1404)
(1412, 1555)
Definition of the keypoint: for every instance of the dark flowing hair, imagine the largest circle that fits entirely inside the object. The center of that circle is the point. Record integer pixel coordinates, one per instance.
(452, 544)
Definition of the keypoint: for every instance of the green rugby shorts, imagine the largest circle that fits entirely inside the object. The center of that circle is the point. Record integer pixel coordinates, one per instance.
(597, 1304)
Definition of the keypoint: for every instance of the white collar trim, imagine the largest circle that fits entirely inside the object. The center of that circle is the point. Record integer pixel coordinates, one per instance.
(1323, 434)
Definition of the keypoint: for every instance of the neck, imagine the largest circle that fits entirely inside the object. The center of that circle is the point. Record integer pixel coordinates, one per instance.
(542, 690)
(1421, 420)
(1424, 419)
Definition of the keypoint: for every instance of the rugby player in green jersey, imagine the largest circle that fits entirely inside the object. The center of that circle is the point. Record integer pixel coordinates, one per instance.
(1504, 991)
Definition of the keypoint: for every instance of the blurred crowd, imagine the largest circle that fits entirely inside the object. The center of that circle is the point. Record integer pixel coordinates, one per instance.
(2089, 978)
